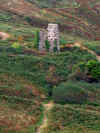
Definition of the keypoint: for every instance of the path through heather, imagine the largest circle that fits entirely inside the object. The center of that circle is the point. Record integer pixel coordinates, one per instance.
(47, 107)
(90, 51)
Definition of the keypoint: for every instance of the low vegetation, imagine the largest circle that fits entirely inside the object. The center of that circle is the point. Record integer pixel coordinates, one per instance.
(77, 92)
(73, 118)
(19, 115)
(29, 78)
(93, 45)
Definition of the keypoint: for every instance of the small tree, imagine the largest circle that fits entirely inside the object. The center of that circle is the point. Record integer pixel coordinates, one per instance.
(47, 45)
(36, 39)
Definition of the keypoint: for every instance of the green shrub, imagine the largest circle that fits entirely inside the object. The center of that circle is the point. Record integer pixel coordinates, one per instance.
(69, 92)
(94, 68)
(79, 72)
(17, 46)
(90, 69)
(80, 65)
(62, 41)
(36, 39)
(28, 19)
(47, 44)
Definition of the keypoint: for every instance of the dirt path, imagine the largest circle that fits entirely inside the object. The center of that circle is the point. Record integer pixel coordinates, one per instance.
(85, 48)
(47, 107)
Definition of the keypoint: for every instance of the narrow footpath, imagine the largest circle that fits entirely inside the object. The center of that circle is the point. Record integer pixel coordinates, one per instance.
(47, 108)
(90, 51)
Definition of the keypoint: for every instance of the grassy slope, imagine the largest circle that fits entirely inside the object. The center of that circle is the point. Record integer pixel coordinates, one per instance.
(25, 81)
(74, 119)
(20, 99)
(71, 20)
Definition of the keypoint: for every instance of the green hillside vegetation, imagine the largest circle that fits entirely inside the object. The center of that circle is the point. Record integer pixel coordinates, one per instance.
(73, 118)
(73, 18)
(31, 80)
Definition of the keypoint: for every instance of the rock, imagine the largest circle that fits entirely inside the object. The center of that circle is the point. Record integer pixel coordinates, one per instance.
(4, 36)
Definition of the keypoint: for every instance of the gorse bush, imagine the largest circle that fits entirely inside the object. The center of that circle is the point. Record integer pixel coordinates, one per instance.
(94, 68)
(17, 46)
(69, 92)
(84, 70)
(77, 92)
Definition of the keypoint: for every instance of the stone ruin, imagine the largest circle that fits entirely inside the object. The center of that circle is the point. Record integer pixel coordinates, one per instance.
(42, 38)
(52, 35)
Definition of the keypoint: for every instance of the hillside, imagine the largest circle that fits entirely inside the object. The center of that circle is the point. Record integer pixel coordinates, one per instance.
(43, 92)
(78, 21)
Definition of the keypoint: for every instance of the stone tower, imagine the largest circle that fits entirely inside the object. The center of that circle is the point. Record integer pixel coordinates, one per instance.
(53, 34)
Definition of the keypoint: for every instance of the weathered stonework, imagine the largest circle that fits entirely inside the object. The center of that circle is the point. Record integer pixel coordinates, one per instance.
(42, 36)
(52, 35)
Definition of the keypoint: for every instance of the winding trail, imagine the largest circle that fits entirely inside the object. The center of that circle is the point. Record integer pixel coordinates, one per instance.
(47, 108)
(85, 48)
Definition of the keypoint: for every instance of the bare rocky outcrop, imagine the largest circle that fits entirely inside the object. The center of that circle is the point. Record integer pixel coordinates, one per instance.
(4, 36)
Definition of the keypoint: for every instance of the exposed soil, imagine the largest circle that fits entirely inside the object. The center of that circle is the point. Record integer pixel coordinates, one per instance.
(4, 35)
(47, 107)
